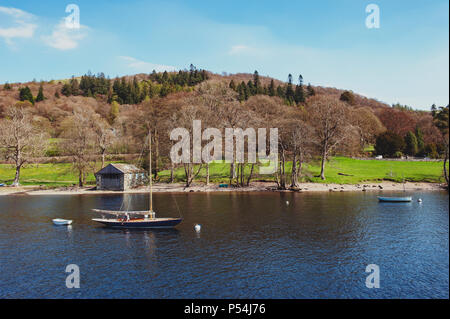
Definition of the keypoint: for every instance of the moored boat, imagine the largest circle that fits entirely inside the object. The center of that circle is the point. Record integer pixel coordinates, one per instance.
(61, 222)
(395, 199)
(137, 219)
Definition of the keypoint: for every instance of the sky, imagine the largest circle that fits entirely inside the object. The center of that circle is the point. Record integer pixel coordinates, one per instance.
(405, 60)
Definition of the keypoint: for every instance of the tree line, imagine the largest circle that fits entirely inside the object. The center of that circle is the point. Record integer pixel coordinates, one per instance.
(290, 94)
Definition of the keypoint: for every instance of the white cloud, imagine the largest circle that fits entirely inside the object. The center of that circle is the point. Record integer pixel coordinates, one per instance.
(145, 67)
(22, 24)
(64, 38)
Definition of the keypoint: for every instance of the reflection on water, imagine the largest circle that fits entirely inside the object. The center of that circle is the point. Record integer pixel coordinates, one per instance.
(251, 245)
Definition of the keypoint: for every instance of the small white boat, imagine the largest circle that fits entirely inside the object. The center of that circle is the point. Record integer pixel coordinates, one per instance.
(61, 222)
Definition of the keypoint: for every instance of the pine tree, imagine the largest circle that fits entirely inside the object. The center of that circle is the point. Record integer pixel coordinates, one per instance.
(7, 87)
(290, 94)
(310, 90)
(299, 95)
(232, 85)
(40, 97)
(256, 83)
(26, 95)
(271, 89)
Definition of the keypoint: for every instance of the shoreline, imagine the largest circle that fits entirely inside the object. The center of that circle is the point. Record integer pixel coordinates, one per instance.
(254, 187)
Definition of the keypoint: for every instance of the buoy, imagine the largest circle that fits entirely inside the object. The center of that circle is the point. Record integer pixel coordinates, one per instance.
(197, 228)
(420, 200)
(287, 202)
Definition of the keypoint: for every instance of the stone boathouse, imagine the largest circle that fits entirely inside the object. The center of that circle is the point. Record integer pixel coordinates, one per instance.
(120, 177)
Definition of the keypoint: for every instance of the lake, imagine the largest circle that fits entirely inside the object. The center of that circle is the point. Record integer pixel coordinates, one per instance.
(252, 245)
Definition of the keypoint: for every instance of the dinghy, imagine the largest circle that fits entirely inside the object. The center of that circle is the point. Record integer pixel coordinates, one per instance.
(395, 199)
(61, 222)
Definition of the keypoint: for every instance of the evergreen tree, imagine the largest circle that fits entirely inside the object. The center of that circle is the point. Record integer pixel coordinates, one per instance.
(310, 90)
(256, 83)
(348, 97)
(290, 94)
(74, 86)
(7, 87)
(40, 97)
(299, 95)
(271, 90)
(66, 90)
(420, 141)
(232, 85)
(26, 95)
(411, 144)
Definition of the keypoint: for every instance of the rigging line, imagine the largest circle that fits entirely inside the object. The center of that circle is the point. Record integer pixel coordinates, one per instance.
(179, 211)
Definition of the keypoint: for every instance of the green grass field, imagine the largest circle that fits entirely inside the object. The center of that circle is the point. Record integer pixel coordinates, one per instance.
(61, 174)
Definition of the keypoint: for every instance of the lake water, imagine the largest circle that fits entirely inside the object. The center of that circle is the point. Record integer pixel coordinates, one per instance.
(252, 245)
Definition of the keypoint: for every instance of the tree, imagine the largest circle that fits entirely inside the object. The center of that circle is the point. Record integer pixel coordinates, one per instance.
(411, 145)
(290, 94)
(330, 120)
(299, 95)
(104, 136)
(348, 97)
(40, 97)
(388, 144)
(114, 112)
(19, 139)
(7, 87)
(441, 121)
(79, 141)
(26, 95)
(420, 140)
(310, 90)
(367, 125)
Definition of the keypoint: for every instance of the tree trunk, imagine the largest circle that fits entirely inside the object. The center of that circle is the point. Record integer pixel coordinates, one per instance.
(171, 171)
(294, 176)
(103, 158)
(324, 158)
(80, 178)
(251, 173)
(207, 174)
(17, 177)
(283, 171)
(232, 172)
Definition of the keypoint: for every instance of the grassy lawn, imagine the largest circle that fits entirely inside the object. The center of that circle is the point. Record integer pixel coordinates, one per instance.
(361, 171)
(61, 174)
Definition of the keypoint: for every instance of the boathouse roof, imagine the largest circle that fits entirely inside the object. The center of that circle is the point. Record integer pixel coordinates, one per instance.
(120, 169)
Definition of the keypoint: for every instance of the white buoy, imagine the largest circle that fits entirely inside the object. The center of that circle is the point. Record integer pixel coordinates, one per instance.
(287, 202)
(420, 200)
(197, 228)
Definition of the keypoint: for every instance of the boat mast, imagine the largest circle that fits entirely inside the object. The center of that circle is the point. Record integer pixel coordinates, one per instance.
(150, 168)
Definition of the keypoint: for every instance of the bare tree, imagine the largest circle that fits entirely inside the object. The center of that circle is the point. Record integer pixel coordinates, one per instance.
(79, 141)
(20, 140)
(330, 120)
(104, 136)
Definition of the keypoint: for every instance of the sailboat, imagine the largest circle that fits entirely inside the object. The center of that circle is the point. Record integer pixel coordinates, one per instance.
(137, 219)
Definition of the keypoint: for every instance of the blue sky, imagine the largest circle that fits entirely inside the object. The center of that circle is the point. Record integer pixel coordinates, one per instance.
(406, 60)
